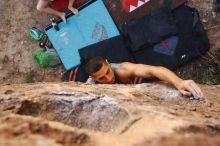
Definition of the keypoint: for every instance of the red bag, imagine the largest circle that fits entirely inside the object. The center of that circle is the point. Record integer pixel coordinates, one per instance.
(63, 4)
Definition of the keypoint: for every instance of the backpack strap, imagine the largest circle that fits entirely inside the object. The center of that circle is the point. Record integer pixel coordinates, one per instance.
(195, 18)
(73, 74)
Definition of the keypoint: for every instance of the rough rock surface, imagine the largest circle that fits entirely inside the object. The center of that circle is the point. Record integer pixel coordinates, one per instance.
(75, 114)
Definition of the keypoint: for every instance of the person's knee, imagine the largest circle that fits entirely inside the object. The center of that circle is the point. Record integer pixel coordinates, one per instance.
(39, 8)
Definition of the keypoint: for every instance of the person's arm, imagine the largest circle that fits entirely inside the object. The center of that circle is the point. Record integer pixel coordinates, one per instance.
(186, 87)
(43, 7)
(70, 7)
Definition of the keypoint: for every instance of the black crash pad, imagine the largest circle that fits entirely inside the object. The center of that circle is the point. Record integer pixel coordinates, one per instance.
(118, 12)
(112, 49)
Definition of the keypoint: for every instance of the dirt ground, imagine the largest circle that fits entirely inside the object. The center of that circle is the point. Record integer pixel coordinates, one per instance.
(16, 47)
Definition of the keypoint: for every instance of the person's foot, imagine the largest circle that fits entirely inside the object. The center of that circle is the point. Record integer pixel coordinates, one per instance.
(74, 10)
(63, 17)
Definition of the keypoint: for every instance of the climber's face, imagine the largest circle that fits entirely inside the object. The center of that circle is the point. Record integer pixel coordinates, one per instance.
(105, 75)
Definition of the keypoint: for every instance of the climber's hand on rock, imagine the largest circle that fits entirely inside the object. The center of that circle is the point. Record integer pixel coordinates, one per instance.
(189, 88)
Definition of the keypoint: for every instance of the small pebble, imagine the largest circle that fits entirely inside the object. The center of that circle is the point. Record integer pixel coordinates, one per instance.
(204, 20)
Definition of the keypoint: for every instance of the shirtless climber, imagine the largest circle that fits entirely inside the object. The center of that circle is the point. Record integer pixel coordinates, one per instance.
(101, 71)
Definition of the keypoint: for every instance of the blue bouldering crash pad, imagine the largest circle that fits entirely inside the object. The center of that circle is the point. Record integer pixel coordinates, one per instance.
(93, 24)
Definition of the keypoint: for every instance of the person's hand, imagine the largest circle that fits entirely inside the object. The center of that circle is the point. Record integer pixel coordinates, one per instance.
(74, 10)
(189, 88)
(63, 17)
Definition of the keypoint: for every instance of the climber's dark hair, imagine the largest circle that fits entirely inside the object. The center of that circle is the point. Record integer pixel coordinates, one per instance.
(94, 64)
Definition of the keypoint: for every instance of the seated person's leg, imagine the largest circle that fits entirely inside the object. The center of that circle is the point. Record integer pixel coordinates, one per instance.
(42, 4)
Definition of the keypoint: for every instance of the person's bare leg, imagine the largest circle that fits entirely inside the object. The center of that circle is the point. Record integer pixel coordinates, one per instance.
(43, 6)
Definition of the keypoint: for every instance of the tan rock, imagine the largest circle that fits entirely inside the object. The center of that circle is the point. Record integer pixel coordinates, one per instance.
(67, 114)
